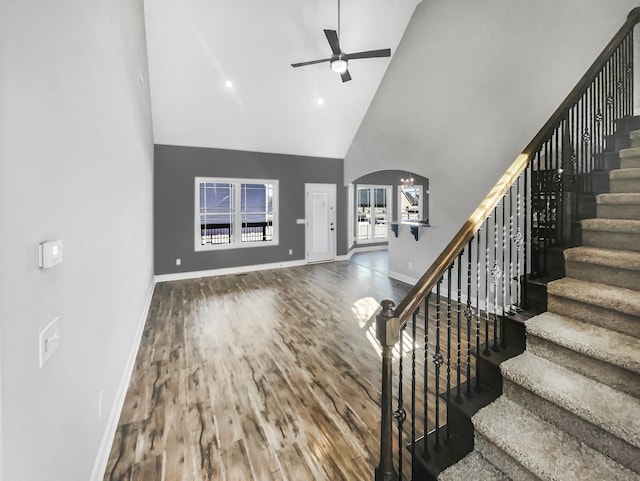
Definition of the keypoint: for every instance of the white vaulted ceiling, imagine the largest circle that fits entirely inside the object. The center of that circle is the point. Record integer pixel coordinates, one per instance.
(196, 46)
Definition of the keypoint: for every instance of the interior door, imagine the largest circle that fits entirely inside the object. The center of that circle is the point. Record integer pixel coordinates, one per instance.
(320, 233)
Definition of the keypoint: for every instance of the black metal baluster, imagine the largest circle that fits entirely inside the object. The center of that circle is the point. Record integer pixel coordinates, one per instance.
(511, 303)
(525, 231)
(478, 315)
(458, 327)
(517, 239)
(616, 82)
(400, 414)
(449, 272)
(486, 351)
(414, 321)
(425, 449)
(468, 314)
(495, 273)
(547, 205)
(437, 361)
(629, 73)
(504, 277)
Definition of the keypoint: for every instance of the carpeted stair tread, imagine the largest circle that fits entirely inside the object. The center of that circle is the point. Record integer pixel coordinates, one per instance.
(632, 173)
(619, 198)
(604, 257)
(612, 225)
(626, 301)
(620, 180)
(630, 152)
(545, 451)
(594, 341)
(472, 466)
(590, 400)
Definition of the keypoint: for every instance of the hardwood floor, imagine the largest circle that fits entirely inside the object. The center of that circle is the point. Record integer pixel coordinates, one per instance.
(272, 375)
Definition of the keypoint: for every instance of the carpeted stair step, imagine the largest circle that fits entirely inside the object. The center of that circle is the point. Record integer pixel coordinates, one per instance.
(525, 447)
(630, 158)
(618, 206)
(611, 234)
(617, 141)
(612, 267)
(601, 354)
(634, 138)
(473, 466)
(596, 414)
(605, 306)
(624, 180)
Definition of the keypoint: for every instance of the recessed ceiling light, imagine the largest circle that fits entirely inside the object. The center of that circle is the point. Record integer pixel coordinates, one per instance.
(228, 84)
(320, 101)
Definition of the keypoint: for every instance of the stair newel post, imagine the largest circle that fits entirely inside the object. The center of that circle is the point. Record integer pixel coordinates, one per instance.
(388, 334)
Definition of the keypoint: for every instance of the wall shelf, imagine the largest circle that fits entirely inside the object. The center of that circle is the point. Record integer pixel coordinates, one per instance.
(414, 228)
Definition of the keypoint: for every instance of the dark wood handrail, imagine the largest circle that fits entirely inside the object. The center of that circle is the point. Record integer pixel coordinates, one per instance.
(425, 284)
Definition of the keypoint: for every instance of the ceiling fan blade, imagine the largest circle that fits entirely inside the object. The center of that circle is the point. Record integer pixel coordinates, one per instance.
(369, 54)
(346, 76)
(302, 64)
(334, 43)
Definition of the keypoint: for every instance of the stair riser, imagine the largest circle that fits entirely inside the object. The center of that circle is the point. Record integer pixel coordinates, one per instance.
(616, 142)
(608, 161)
(614, 376)
(588, 433)
(596, 315)
(618, 211)
(630, 163)
(624, 241)
(502, 460)
(634, 142)
(625, 185)
(612, 276)
(627, 124)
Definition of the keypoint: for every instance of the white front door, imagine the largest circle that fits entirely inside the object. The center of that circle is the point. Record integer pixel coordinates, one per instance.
(320, 213)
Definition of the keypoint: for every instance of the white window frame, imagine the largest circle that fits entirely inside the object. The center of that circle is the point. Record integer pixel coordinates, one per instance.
(420, 205)
(389, 196)
(236, 232)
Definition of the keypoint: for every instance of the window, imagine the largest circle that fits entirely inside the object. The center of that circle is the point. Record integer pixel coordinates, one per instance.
(410, 202)
(372, 212)
(234, 213)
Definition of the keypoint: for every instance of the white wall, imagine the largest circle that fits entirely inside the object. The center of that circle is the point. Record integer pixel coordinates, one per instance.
(467, 89)
(76, 163)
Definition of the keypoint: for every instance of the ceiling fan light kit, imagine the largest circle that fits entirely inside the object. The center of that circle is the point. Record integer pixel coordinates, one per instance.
(339, 61)
(339, 65)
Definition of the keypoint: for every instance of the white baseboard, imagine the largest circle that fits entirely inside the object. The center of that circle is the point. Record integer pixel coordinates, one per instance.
(402, 278)
(355, 250)
(102, 458)
(178, 276)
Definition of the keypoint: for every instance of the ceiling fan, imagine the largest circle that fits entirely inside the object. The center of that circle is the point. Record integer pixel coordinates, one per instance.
(339, 61)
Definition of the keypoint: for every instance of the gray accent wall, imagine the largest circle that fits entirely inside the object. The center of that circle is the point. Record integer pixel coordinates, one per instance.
(76, 164)
(174, 199)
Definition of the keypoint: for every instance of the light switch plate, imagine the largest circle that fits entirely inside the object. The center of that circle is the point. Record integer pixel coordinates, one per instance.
(49, 340)
(50, 254)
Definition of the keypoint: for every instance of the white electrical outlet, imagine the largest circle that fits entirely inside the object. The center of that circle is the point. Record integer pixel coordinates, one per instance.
(49, 340)
(290, 252)
(178, 262)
